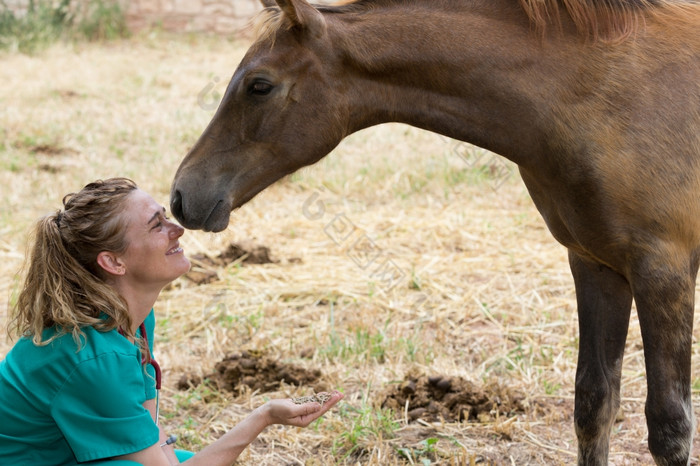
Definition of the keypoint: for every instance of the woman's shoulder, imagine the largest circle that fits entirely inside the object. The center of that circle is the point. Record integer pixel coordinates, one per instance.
(60, 345)
(47, 367)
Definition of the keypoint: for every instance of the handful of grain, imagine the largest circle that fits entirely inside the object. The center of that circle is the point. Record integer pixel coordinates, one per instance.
(317, 397)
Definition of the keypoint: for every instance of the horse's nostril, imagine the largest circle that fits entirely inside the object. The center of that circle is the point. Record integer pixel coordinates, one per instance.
(176, 205)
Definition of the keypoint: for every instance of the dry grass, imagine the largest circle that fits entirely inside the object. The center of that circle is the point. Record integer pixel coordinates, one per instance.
(484, 293)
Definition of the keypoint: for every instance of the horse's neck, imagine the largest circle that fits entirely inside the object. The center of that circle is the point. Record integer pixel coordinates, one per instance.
(476, 73)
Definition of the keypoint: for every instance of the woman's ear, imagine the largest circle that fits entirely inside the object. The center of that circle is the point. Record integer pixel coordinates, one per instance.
(111, 263)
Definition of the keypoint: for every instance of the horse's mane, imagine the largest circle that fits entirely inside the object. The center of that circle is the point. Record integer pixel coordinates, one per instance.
(609, 20)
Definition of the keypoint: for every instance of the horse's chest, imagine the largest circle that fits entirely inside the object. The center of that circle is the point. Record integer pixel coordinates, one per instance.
(569, 217)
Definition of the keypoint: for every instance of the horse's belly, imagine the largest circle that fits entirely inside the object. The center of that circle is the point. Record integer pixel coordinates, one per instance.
(612, 226)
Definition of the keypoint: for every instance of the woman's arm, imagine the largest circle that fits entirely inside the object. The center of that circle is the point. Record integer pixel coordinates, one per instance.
(227, 448)
(151, 456)
(169, 451)
(155, 455)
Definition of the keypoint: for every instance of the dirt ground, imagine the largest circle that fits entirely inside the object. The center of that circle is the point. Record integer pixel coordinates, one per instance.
(257, 372)
(430, 398)
(490, 412)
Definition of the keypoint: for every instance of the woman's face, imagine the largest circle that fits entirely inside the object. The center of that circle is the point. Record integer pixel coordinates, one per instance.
(153, 255)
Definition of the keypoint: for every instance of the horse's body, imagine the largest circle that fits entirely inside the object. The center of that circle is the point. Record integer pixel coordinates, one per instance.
(598, 106)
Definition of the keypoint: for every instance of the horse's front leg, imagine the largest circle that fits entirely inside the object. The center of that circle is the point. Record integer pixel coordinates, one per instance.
(604, 300)
(665, 293)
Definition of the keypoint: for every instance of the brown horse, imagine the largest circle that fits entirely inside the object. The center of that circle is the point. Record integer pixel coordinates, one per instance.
(597, 101)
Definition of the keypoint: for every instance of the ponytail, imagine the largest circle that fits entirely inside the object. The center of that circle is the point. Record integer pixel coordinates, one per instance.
(63, 286)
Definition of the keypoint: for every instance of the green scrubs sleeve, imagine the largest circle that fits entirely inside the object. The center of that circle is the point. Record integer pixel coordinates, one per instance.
(99, 408)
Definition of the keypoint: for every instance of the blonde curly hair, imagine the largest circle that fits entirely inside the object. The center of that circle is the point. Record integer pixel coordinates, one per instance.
(64, 287)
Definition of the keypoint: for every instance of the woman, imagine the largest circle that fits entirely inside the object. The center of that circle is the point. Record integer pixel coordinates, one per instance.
(79, 385)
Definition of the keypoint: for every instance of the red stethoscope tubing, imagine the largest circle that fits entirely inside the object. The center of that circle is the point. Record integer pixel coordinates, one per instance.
(151, 360)
(156, 368)
(154, 364)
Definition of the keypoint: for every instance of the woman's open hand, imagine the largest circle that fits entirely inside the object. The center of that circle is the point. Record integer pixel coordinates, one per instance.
(287, 412)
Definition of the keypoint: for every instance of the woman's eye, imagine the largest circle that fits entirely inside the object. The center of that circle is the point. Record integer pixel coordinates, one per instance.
(260, 88)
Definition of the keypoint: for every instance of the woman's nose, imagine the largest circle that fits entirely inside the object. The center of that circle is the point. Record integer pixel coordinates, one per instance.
(176, 230)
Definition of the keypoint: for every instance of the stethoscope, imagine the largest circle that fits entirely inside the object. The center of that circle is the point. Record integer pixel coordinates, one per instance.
(159, 377)
(154, 364)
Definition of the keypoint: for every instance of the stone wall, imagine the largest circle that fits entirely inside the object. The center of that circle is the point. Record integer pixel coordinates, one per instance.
(215, 16)
(229, 17)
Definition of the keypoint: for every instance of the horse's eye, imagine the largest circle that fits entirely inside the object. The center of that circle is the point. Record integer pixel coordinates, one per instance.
(260, 88)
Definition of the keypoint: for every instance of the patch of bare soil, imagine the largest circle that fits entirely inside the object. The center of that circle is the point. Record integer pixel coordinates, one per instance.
(204, 267)
(452, 399)
(258, 372)
(51, 149)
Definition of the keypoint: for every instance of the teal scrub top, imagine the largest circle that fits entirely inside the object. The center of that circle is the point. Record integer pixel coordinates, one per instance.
(60, 405)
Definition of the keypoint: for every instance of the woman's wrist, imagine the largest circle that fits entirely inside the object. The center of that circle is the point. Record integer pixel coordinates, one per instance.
(263, 415)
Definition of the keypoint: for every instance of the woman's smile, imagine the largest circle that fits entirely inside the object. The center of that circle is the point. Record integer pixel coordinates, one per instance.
(176, 250)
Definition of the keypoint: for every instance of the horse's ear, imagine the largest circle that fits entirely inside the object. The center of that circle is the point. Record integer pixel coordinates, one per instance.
(302, 14)
(268, 3)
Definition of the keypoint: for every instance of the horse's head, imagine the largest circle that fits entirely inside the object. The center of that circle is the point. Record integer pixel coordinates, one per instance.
(281, 111)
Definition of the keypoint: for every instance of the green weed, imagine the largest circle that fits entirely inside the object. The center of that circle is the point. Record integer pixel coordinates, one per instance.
(363, 345)
(102, 20)
(551, 388)
(424, 453)
(368, 426)
(46, 22)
